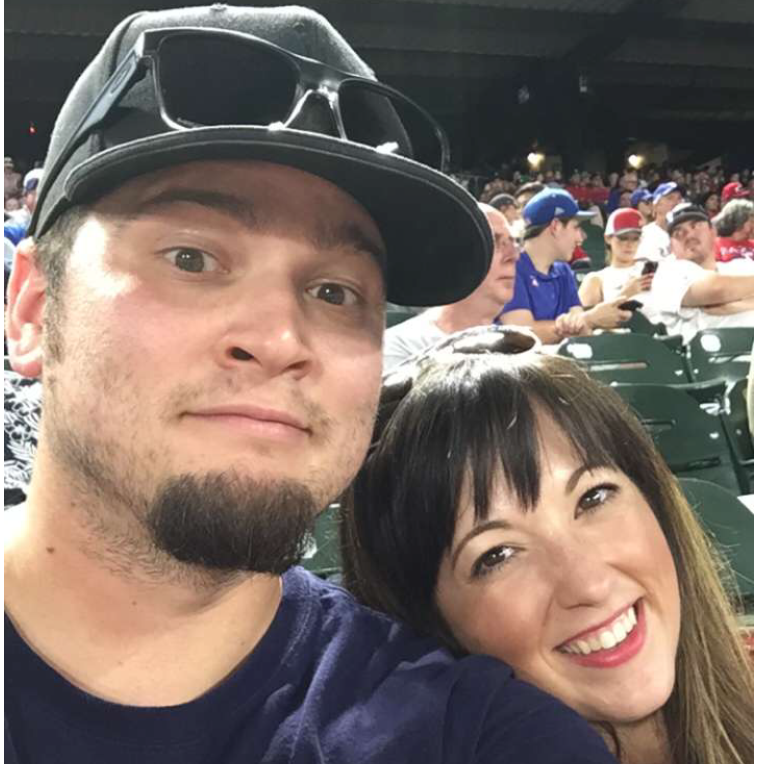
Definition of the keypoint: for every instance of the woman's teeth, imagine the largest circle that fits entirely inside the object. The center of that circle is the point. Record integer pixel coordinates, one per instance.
(604, 639)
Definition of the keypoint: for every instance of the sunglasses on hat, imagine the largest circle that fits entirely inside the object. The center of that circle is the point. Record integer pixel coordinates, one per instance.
(212, 77)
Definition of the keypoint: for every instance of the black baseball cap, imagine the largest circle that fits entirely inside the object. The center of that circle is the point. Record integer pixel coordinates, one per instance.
(684, 212)
(439, 245)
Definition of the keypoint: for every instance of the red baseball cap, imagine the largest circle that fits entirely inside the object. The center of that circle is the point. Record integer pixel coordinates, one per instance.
(624, 220)
(734, 190)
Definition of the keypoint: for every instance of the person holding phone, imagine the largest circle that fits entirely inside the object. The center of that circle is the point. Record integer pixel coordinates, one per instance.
(625, 277)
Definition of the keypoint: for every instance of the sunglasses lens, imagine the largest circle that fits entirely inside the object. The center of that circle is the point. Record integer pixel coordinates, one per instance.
(219, 81)
(380, 119)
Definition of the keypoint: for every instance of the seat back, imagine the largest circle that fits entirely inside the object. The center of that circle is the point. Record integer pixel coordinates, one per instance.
(594, 244)
(691, 441)
(323, 554)
(721, 353)
(729, 523)
(626, 358)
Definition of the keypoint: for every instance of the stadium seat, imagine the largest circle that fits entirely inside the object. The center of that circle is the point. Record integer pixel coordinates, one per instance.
(640, 324)
(323, 555)
(630, 358)
(735, 420)
(729, 523)
(594, 243)
(692, 441)
(720, 353)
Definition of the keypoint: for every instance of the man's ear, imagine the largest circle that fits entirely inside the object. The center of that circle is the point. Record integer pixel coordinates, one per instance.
(24, 314)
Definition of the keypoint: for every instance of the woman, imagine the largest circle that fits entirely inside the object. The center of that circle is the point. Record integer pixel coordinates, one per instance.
(623, 276)
(511, 505)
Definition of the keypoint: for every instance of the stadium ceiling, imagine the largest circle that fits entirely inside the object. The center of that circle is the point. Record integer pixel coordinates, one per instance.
(666, 60)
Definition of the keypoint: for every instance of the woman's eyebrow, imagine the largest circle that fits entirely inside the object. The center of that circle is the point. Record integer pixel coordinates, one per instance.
(490, 525)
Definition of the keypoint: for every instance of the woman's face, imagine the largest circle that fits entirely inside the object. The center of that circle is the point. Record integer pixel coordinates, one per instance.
(579, 594)
(713, 204)
(624, 247)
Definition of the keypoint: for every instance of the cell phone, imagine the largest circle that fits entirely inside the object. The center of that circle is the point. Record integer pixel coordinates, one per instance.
(630, 305)
(650, 267)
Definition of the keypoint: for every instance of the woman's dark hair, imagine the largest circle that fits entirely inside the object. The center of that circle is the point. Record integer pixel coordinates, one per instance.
(465, 423)
(462, 422)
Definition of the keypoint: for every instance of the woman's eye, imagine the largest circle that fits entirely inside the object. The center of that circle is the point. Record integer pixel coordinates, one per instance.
(335, 294)
(596, 497)
(192, 260)
(492, 560)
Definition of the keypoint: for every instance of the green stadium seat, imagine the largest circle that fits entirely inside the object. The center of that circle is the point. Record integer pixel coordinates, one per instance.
(594, 244)
(720, 353)
(692, 441)
(626, 358)
(734, 417)
(323, 555)
(729, 523)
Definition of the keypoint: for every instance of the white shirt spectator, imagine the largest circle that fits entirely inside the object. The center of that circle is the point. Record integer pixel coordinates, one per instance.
(655, 243)
(410, 338)
(670, 284)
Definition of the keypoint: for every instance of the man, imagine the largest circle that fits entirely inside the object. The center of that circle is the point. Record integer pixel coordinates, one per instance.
(691, 290)
(11, 178)
(546, 294)
(656, 244)
(202, 294)
(509, 207)
(479, 308)
(734, 231)
(642, 201)
(15, 228)
(526, 192)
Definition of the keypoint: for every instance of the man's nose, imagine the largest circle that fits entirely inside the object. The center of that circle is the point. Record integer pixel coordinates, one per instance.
(271, 334)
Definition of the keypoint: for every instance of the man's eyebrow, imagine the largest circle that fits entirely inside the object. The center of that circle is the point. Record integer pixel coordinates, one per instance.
(346, 235)
(490, 525)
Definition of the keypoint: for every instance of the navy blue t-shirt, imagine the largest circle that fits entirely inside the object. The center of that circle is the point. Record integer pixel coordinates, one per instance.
(330, 681)
(546, 296)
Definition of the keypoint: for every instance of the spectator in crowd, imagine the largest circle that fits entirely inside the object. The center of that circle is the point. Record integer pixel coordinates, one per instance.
(734, 231)
(13, 204)
(526, 192)
(734, 190)
(624, 276)
(208, 329)
(546, 296)
(642, 201)
(711, 202)
(627, 182)
(414, 335)
(580, 564)
(11, 180)
(508, 206)
(691, 290)
(598, 194)
(655, 243)
(15, 228)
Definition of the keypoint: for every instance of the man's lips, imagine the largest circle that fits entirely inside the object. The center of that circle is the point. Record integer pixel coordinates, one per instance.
(254, 414)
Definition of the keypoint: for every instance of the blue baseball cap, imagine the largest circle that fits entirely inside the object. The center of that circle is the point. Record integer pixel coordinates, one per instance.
(664, 190)
(549, 204)
(640, 195)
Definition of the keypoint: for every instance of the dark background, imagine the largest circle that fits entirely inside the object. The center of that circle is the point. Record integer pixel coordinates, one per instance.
(678, 72)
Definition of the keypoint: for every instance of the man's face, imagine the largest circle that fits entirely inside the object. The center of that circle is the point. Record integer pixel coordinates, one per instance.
(511, 213)
(646, 208)
(568, 236)
(222, 326)
(666, 203)
(694, 241)
(499, 284)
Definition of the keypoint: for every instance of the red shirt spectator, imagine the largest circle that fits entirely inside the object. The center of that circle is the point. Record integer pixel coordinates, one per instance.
(728, 249)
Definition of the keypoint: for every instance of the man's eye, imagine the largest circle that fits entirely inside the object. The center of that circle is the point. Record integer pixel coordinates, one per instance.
(191, 260)
(596, 497)
(335, 294)
(492, 560)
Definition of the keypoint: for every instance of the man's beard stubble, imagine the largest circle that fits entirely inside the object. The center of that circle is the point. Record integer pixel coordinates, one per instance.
(194, 526)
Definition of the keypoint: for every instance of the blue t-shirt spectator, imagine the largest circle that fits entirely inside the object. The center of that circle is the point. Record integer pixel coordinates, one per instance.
(546, 296)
